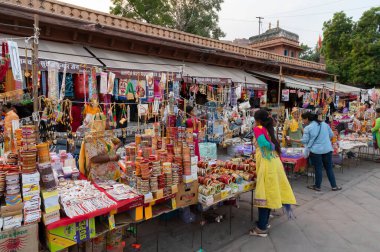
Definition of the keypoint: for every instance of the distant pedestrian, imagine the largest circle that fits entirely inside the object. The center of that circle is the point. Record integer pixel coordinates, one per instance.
(317, 139)
(273, 190)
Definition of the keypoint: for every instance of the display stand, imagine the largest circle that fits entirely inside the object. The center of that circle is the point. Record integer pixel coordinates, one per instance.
(204, 208)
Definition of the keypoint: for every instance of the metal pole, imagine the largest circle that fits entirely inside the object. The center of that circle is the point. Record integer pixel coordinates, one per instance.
(335, 81)
(279, 87)
(35, 63)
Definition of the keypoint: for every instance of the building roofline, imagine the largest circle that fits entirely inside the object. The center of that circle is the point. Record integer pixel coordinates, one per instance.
(108, 21)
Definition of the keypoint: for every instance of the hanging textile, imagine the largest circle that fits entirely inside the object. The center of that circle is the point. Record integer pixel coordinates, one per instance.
(233, 101)
(69, 91)
(43, 83)
(111, 83)
(63, 84)
(150, 86)
(9, 81)
(116, 89)
(123, 83)
(176, 89)
(5, 60)
(53, 68)
(157, 89)
(93, 84)
(103, 83)
(141, 90)
(15, 63)
(90, 87)
(80, 86)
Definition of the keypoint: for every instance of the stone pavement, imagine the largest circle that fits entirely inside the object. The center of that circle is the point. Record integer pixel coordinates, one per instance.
(348, 220)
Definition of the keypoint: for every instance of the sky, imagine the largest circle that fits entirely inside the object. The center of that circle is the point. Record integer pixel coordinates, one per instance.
(304, 17)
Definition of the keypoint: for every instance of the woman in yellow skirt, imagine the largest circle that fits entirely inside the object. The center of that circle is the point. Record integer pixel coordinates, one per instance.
(273, 190)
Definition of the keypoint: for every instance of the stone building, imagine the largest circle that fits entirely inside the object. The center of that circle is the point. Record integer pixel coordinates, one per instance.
(278, 41)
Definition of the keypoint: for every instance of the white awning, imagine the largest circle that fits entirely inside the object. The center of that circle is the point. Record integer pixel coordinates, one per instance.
(308, 83)
(210, 71)
(129, 61)
(60, 52)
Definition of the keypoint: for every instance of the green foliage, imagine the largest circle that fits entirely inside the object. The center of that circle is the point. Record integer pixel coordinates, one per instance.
(352, 49)
(310, 54)
(199, 17)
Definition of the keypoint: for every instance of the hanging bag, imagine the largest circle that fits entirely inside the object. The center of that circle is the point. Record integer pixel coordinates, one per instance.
(99, 122)
(130, 93)
(123, 122)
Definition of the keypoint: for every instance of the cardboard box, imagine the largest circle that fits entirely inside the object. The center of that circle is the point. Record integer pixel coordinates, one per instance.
(187, 194)
(11, 222)
(50, 201)
(11, 210)
(234, 188)
(225, 193)
(188, 178)
(174, 189)
(51, 217)
(217, 197)
(30, 189)
(33, 178)
(205, 200)
(22, 239)
(66, 236)
(158, 194)
(194, 161)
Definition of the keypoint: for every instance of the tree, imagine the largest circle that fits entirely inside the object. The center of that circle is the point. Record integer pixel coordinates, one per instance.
(309, 53)
(199, 17)
(352, 49)
(336, 45)
(365, 53)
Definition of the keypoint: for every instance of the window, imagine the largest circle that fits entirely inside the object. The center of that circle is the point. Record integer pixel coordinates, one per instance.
(292, 54)
(286, 52)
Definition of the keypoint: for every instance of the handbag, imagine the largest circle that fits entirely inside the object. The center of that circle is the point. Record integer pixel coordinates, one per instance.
(130, 92)
(306, 150)
(99, 122)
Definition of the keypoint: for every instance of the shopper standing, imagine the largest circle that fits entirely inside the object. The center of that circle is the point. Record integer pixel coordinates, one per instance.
(317, 139)
(273, 190)
(376, 130)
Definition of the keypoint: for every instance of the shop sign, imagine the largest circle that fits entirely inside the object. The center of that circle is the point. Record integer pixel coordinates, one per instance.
(207, 80)
(43, 65)
(285, 95)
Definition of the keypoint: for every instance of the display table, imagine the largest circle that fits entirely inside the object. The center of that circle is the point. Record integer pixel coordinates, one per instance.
(120, 206)
(297, 164)
(350, 145)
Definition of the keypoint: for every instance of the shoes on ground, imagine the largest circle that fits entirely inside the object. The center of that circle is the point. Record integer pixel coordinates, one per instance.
(258, 232)
(313, 187)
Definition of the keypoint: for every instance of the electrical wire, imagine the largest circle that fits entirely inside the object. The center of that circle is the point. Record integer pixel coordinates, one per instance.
(306, 8)
(320, 13)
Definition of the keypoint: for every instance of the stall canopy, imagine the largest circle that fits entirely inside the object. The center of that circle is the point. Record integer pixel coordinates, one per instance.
(236, 75)
(308, 83)
(122, 60)
(61, 52)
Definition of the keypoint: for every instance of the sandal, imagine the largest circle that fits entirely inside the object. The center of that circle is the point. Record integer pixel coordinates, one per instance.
(337, 188)
(313, 187)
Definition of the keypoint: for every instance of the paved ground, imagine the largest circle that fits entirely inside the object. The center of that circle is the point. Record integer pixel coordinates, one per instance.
(348, 220)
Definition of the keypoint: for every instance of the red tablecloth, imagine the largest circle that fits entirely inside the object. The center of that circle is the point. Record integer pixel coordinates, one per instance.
(299, 163)
(121, 206)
